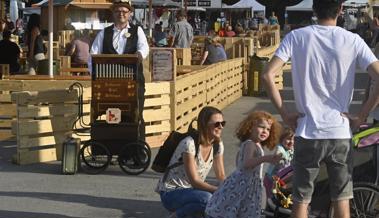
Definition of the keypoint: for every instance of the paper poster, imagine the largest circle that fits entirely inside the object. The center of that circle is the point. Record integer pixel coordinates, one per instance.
(163, 68)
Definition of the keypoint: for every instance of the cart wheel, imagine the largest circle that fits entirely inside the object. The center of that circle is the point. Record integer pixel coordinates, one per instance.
(95, 157)
(134, 158)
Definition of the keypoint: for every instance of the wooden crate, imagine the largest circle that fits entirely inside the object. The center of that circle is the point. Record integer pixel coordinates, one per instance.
(8, 109)
(42, 128)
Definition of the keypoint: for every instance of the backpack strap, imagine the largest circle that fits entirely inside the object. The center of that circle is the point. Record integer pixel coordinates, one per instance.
(195, 137)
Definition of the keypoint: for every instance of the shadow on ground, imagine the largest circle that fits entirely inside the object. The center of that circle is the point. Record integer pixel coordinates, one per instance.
(140, 208)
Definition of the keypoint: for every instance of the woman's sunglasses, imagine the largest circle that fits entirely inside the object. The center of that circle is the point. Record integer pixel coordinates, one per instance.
(218, 124)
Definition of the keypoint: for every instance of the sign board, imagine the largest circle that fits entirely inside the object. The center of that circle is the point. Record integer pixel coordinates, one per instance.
(113, 115)
(163, 64)
(202, 3)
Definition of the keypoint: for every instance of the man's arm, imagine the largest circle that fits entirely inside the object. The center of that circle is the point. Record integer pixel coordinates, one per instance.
(372, 100)
(142, 45)
(268, 77)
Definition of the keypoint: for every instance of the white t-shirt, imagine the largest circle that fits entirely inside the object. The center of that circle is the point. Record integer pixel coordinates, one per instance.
(324, 60)
(177, 177)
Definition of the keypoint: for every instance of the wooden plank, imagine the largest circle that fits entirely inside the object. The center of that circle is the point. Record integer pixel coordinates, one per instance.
(157, 88)
(28, 142)
(33, 127)
(151, 115)
(156, 140)
(163, 127)
(159, 101)
(6, 135)
(51, 96)
(5, 98)
(8, 110)
(6, 123)
(24, 156)
(52, 110)
(11, 85)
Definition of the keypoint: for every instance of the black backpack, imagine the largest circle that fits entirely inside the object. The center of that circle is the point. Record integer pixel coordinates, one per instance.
(165, 152)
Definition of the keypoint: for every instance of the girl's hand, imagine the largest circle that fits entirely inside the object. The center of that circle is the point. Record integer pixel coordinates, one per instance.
(274, 158)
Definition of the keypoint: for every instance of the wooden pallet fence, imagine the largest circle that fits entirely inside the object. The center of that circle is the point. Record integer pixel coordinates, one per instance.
(44, 119)
(8, 109)
(216, 85)
(157, 112)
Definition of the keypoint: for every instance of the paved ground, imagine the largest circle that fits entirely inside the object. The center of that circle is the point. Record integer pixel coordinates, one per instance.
(40, 191)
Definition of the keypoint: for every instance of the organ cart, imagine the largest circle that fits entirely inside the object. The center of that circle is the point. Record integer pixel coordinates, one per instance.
(115, 117)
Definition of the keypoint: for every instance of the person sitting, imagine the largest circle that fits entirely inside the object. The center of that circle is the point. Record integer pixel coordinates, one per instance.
(229, 31)
(159, 37)
(183, 189)
(79, 49)
(214, 52)
(10, 53)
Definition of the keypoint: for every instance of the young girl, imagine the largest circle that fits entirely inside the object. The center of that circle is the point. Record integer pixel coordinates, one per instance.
(285, 148)
(240, 194)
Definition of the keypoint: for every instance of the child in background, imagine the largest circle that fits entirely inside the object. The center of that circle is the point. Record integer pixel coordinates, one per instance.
(285, 148)
(241, 193)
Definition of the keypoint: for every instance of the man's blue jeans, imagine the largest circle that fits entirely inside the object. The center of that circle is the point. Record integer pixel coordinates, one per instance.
(187, 202)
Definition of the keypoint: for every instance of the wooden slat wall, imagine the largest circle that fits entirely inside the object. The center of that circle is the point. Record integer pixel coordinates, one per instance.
(40, 134)
(216, 85)
(41, 128)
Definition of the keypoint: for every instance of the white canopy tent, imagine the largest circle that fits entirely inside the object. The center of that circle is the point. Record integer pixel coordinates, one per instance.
(305, 5)
(355, 3)
(246, 4)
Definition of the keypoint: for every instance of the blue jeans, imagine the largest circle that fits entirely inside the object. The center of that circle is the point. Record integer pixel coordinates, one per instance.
(187, 202)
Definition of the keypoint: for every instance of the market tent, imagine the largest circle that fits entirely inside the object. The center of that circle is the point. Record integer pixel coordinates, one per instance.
(357, 3)
(156, 3)
(246, 4)
(305, 5)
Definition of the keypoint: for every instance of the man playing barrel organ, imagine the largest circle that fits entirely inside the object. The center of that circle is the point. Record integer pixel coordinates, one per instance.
(124, 38)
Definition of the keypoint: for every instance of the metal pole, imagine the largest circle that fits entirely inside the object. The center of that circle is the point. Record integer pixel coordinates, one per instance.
(50, 52)
(150, 18)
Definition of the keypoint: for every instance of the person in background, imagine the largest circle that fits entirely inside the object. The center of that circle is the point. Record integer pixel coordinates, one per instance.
(273, 19)
(125, 38)
(229, 31)
(183, 189)
(240, 195)
(214, 52)
(10, 53)
(34, 40)
(68, 24)
(181, 32)
(79, 48)
(285, 149)
(324, 60)
(159, 37)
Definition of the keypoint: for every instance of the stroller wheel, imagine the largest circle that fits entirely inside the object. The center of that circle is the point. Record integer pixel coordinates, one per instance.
(134, 158)
(95, 157)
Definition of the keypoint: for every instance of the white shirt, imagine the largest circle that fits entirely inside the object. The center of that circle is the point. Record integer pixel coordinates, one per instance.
(324, 60)
(120, 37)
(177, 177)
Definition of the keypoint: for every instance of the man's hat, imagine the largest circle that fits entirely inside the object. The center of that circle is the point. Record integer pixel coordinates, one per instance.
(122, 3)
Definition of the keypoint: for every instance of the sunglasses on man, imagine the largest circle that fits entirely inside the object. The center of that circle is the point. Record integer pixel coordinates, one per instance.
(218, 124)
